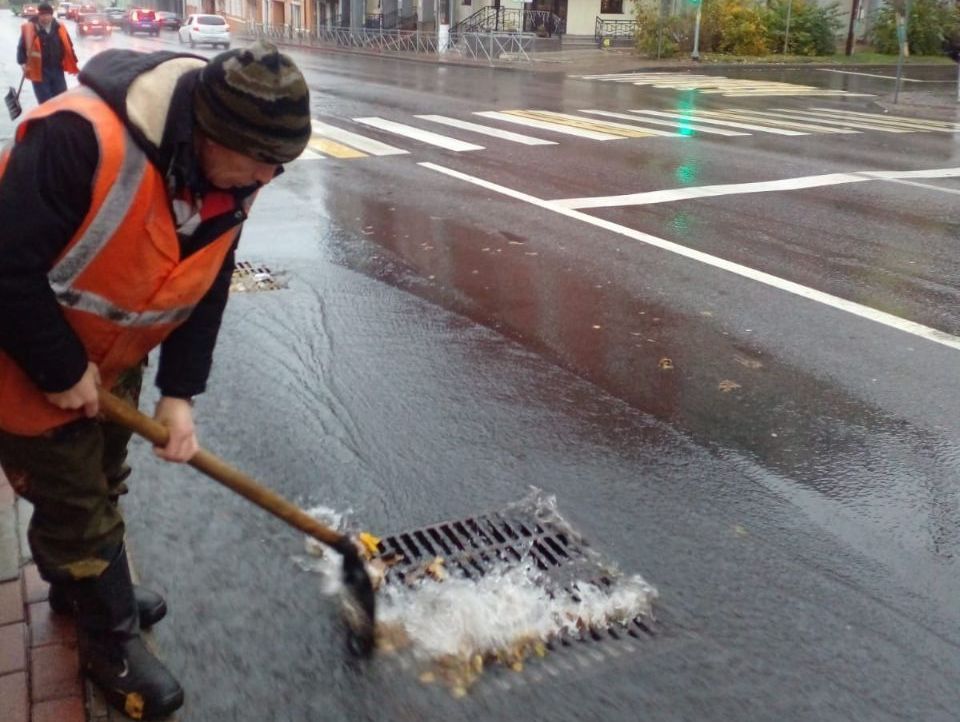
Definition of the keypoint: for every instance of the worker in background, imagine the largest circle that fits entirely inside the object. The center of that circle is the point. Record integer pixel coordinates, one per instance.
(45, 52)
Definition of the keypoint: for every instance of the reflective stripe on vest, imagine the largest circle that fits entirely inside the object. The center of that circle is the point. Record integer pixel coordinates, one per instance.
(98, 233)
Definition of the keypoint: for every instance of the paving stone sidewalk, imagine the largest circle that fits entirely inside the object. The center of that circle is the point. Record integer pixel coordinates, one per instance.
(40, 678)
(39, 667)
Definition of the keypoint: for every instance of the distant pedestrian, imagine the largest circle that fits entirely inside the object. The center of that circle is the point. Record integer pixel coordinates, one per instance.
(45, 52)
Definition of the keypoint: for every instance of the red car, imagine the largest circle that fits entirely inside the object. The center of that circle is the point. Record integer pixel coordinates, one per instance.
(141, 20)
(95, 24)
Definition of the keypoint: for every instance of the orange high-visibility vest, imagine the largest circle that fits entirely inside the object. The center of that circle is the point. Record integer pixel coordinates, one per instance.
(31, 43)
(120, 281)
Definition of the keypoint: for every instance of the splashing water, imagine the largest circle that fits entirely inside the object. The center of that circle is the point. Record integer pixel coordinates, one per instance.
(504, 615)
(463, 617)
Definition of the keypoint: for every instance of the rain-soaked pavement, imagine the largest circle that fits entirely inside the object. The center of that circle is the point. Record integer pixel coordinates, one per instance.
(784, 471)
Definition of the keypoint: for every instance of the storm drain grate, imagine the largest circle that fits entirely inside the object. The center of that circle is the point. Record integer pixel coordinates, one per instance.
(471, 547)
(248, 278)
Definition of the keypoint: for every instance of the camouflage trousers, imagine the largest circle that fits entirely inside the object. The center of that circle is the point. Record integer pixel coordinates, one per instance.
(73, 476)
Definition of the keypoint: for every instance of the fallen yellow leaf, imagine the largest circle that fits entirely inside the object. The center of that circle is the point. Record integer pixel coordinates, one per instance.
(370, 543)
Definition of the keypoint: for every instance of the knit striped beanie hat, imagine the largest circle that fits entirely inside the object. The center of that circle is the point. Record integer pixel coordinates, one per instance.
(254, 101)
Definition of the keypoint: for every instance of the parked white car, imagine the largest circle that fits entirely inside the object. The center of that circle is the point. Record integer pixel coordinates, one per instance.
(210, 29)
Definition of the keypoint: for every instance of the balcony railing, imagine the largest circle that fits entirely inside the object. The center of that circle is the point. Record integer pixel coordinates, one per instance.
(614, 31)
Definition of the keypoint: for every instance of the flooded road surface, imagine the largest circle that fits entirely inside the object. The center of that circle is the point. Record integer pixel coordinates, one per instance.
(347, 391)
(770, 450)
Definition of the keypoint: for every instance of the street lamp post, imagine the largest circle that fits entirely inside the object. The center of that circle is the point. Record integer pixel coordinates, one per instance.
(695, 55)
(786, 34)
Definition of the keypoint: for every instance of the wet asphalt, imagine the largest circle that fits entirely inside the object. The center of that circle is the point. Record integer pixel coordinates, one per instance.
(788, 480)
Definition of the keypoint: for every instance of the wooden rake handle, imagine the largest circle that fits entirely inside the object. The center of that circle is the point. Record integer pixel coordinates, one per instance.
(122, 413)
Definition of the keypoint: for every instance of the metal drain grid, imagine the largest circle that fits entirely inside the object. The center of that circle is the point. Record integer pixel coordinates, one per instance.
(248, 278)
(472, 546)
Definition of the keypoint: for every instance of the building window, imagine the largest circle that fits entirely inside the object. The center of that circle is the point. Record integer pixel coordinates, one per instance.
(612, 7)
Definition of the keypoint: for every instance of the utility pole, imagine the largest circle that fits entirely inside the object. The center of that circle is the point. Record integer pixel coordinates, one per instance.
(854, 11)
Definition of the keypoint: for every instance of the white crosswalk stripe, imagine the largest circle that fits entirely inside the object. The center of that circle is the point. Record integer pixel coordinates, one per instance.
(778, 122)
(355, 140)
(719, 84)
(309, 154)
(507, 135)
(330, 141)
(602, 126)
(725, 123)
(544, 125)
(424, 136)
(911, 122)
(800, 115)
(672, 123)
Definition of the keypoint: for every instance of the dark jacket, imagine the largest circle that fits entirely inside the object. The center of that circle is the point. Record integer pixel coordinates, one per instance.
(44, 196)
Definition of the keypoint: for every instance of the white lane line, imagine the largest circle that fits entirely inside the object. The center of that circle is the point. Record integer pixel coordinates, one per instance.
(840, 304)
(487, 130)
(682, 194)
(670, 123)
(918, 122)
(544, 125)
(876, 75)
(925, 185)
(786, 184)
(354, 140)
(725, 123)
(801, 115)
(424, 136)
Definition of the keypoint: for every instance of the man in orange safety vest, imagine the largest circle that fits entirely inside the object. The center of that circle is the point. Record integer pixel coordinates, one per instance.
(45, 53)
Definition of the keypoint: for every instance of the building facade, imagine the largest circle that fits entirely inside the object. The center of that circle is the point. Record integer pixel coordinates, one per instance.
(579, 16)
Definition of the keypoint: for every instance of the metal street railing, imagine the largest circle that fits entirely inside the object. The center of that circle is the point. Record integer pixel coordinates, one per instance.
(490, 46)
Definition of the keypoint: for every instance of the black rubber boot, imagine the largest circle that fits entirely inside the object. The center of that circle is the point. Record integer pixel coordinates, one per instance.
(112, 653)
(150, 606)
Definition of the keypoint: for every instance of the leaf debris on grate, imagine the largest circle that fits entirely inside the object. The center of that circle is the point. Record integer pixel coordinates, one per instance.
(248, 277)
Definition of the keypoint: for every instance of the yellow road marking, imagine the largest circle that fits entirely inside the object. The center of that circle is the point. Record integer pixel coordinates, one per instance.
(332, 148)
(547, 116)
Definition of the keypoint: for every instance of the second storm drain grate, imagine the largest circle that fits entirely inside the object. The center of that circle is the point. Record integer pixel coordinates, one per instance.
(247, 278)
(473, 546)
